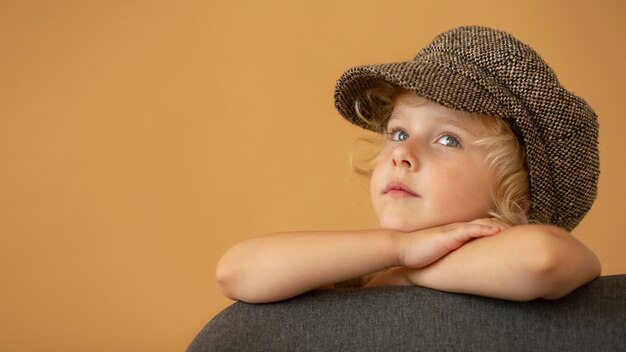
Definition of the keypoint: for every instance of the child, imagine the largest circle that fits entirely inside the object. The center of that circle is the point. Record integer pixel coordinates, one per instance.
(488, 162)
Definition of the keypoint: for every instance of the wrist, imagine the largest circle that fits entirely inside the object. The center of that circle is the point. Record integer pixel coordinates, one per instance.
(397, 245)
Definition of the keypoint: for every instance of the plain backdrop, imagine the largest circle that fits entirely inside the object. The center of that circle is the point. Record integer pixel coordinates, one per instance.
(140, 139)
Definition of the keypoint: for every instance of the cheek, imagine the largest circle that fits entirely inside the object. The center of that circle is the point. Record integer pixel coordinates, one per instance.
(377, 185)
(377, 177)
(458, 191)
(448, 190)
(374, 186)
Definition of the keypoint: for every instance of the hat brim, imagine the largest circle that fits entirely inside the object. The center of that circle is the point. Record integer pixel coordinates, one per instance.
(435, 77)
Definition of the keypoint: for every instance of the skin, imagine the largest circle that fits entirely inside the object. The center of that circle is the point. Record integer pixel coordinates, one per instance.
(429, 150)
(431, 193)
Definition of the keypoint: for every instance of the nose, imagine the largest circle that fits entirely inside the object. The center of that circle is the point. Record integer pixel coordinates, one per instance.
(404, 156)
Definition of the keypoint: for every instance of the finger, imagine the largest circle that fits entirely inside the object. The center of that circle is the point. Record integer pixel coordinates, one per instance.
(491, 222)
(467, 232)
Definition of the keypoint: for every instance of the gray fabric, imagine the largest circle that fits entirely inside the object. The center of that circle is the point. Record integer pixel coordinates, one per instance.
(419, 319)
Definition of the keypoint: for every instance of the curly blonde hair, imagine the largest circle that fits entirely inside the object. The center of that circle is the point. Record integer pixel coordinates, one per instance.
(506, 157)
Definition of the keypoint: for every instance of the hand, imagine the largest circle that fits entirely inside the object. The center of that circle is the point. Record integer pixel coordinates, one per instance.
(421, 248)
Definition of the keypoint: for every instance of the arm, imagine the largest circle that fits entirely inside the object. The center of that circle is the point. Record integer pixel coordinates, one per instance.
(522, 263)
(279, 266)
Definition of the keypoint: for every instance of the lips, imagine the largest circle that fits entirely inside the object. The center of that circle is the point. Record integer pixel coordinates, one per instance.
(399, 189)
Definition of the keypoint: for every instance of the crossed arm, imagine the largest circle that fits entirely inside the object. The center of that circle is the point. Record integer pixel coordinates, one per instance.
(482, 257)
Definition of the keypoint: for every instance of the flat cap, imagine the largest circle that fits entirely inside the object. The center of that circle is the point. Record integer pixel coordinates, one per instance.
(487, 71)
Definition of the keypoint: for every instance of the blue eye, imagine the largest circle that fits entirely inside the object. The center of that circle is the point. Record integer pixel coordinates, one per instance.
(449, 141)
(398, 135)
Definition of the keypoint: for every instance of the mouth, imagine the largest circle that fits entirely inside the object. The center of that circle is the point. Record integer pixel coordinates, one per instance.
(399, 189)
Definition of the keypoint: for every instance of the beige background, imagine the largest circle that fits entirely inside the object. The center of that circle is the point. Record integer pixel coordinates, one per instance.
(140, 139)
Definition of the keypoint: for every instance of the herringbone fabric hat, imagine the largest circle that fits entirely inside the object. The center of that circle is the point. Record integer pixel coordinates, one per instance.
(486, 71)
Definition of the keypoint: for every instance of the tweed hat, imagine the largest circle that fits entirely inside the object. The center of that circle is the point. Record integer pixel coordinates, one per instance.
(486, 71)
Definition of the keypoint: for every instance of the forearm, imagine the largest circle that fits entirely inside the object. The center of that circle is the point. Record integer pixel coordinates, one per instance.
(522, 263)
(279, 266)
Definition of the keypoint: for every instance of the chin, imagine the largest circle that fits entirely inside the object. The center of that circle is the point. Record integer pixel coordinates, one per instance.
(401, 225)
(397, 222)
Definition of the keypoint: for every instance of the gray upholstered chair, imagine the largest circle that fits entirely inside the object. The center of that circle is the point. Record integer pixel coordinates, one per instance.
(592, 318)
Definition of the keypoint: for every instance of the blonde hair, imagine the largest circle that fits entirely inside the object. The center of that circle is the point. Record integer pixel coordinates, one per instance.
(506, 158)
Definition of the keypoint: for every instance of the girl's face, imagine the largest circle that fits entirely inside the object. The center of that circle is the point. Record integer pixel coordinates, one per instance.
(429, 173)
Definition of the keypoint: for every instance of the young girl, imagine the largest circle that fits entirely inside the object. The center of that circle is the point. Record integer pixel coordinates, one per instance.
(487, 163)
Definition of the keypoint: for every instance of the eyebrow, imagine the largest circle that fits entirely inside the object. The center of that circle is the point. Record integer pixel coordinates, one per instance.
(463, 122)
